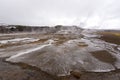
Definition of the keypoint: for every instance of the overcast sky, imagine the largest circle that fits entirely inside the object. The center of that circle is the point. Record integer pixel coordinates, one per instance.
(93, 13)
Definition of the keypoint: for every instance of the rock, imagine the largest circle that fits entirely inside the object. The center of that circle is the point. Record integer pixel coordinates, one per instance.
(76, 74)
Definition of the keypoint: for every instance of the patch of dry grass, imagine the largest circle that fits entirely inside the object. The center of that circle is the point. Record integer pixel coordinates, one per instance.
(111, 37)
(117, 34)
(110, 33)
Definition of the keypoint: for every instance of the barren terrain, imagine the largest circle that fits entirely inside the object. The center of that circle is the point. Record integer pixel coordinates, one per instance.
(64, 55)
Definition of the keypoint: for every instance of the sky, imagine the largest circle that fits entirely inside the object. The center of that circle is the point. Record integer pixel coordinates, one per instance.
(99, 14)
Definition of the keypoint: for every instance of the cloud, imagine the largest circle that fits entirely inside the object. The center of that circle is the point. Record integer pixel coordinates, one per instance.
(66, 12)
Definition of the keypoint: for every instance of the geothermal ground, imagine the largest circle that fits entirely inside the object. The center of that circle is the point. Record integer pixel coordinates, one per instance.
(87, 55)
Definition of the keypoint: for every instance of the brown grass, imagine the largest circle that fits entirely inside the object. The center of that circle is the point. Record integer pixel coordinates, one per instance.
(111, 37)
